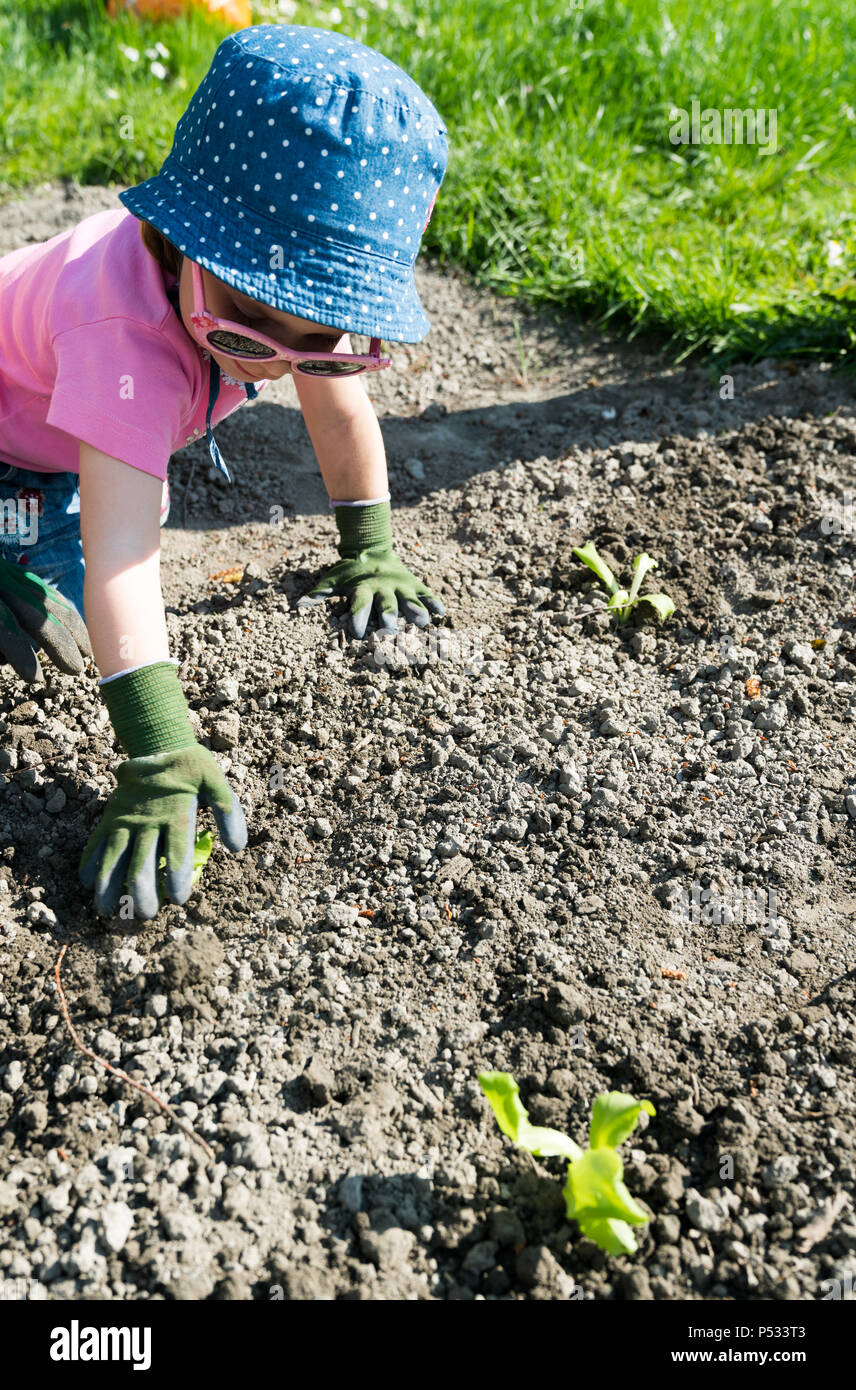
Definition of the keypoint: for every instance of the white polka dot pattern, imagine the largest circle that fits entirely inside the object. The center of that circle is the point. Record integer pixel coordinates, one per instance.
(304, 172)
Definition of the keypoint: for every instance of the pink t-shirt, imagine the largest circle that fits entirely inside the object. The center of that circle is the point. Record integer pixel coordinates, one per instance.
(91, 349)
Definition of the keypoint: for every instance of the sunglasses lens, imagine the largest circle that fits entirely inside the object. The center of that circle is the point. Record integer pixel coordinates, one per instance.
(236, 345)
(331, 368)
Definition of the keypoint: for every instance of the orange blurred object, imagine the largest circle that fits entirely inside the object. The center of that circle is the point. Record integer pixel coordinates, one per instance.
(234, 12)
(233, 576)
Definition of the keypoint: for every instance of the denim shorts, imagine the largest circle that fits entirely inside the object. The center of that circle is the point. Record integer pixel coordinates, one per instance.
(40, 516)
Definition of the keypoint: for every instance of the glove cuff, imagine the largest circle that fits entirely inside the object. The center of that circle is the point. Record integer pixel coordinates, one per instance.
(148, 710)
(361, 527)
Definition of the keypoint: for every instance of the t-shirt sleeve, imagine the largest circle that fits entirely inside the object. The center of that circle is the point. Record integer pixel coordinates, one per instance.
(121, 387)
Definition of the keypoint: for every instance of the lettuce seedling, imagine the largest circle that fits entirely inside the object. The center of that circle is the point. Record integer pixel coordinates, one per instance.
(201, 854)
(623, 601)
(595, 1195)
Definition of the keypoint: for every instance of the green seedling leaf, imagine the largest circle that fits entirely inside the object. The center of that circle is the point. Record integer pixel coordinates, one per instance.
(504, 1095)
(615, 1237)
(201, 854)
(596, 1197)
(618, 604)
(661, 602)
(589, 556)
(619, 599)
(641, 566)
(595, 1194)
(623, 601)
(613, 1119)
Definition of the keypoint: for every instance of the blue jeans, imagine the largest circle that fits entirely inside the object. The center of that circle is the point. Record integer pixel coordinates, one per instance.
(40, 517)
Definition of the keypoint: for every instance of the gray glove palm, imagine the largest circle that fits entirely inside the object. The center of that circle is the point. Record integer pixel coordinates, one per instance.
(33, 615)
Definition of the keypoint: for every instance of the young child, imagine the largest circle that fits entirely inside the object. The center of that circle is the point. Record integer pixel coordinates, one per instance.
(287, 215)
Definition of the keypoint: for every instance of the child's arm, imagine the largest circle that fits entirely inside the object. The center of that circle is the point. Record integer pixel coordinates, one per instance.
(152, 813)
(346, 436)
(350, 451)
(120, 529)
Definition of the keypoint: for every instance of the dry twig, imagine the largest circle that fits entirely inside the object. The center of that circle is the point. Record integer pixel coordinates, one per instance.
(820, 1226)
(123, 1076)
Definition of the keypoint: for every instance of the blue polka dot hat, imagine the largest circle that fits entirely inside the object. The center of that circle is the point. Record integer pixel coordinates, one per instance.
(304, 173)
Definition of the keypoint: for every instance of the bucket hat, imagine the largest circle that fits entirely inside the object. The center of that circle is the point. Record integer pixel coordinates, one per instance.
(304, 173)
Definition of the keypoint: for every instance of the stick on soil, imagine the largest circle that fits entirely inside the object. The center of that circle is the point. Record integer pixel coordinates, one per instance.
(123, 1076)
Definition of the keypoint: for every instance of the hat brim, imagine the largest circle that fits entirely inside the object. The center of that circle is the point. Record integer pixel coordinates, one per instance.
(289, 269)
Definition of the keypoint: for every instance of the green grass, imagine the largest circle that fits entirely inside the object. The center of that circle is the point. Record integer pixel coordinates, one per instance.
(563, 186)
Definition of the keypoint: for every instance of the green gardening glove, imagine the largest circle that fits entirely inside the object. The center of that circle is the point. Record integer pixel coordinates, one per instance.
(30, 608)
(371, 574)
(152, 813)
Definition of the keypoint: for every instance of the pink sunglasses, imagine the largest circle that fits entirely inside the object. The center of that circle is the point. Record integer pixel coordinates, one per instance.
(236, 340)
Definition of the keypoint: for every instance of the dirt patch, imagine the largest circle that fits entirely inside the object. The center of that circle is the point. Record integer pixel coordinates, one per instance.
(595, 859)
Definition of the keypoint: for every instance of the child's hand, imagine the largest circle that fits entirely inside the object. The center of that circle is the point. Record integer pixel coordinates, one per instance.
(379, 582)
(372, 575)
(31, 608)
(152, 814)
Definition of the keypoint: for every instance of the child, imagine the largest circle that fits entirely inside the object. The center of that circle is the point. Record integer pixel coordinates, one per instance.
(288, 214)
